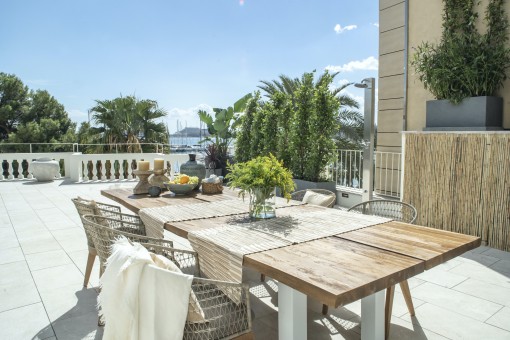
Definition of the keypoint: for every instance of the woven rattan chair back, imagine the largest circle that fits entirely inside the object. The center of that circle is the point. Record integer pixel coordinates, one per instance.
(396, 210)
(299, 195)
(104, 231)
(224, 318)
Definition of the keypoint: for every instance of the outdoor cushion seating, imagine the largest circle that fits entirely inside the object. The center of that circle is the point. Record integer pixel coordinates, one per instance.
(322, 197)
(84, 206)
(223, 318)
(398, 211)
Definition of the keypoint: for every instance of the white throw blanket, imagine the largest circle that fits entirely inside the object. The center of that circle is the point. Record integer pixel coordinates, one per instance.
(139, 300)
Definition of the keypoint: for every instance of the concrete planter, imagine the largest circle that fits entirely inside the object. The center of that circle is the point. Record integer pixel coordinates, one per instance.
(45, 169)
(303, 185)
(472, 114)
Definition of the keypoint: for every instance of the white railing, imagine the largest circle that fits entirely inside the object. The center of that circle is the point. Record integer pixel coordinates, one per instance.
(76, 147)
(348, 169)
(84, 167)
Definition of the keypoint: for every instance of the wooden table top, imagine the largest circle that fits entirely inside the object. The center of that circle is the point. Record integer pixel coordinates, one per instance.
(335, 270)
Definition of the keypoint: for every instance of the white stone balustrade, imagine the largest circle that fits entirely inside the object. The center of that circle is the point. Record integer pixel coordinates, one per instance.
(76, 165)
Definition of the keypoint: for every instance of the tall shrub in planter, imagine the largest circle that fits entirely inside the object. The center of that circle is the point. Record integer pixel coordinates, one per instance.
(243, 139)
(257, 134)
(304, 101)
(323, 126)
(270, 129)
(283, 106)
(465, 63)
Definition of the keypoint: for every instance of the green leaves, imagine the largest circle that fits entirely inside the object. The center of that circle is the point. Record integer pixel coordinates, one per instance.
(298, 123)
(465, 63)
(263, 172)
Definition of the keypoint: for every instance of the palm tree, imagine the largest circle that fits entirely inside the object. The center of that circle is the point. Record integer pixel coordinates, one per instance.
(128, 120)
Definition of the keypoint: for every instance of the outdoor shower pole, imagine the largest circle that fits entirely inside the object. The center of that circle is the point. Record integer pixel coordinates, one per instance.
(368, 138)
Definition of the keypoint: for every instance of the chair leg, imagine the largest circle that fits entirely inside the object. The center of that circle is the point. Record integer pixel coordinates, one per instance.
(325, 309)
(404, 285)
(262, 277)
(390, 292)
(88, 268)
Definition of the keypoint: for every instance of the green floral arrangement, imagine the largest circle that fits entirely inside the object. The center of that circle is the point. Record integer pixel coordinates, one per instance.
(263, 172)
(259, 177)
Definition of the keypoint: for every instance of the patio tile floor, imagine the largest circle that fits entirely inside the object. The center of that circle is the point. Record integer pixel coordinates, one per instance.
(43, 253)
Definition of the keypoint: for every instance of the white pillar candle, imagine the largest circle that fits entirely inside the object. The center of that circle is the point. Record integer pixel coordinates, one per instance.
(159, 164)
(143, 165)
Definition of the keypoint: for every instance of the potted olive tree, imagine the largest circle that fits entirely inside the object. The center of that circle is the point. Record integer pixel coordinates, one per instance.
(465, 69)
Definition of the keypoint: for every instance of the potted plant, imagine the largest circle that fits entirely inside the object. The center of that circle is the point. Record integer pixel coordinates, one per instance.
(259, 178)
(212, 160)
(465, 69)
(297, 123)
(221, 129)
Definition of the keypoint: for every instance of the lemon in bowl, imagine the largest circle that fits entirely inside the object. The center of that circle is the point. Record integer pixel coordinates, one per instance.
(182, 184)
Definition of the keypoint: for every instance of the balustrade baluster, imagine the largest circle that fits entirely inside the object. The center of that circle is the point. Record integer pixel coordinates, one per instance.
(90, 167)
(103, 169)
(133, 167)
(116, 167)
(125, 168)
(108, 167)
(95, 170)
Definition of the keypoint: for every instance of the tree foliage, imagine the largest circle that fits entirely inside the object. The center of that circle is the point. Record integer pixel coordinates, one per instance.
(465, 63)
(127, 120)
(299, 122)
(28, 116)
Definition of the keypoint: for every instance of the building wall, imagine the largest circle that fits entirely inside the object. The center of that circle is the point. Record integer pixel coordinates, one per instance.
(424, 24)
(391, 75)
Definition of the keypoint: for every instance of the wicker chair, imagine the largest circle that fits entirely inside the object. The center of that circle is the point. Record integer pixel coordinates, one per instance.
(224, 319)
(398, 211)
(298, 195)
(96, 208)
(104, 230)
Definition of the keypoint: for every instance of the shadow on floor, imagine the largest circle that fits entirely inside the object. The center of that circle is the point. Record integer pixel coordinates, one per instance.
(80, 322)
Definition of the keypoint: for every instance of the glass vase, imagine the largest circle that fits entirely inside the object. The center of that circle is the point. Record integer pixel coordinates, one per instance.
(262, 203)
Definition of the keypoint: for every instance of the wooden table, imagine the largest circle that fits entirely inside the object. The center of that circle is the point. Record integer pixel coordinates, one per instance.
(335, 270)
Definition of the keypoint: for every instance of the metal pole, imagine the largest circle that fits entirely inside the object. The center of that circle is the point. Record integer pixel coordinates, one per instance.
(368, 138)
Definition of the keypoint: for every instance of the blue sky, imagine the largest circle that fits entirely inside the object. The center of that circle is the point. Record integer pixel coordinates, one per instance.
(184, 54)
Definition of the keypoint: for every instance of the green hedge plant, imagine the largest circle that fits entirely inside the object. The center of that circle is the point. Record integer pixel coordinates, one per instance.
(465, 63)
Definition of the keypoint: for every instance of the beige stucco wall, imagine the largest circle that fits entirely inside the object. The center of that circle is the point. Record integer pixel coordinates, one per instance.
(425, 18)
(391, 75)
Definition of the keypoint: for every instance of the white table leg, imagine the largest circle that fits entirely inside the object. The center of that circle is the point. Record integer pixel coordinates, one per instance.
(291, 313)
(372, 316)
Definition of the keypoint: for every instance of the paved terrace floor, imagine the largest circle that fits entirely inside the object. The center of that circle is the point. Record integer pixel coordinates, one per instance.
(43, 254)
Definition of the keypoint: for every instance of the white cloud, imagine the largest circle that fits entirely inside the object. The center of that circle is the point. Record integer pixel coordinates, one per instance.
(368, 64)
(185, 117)
(77, 115)
(376, 24)
(339, 29)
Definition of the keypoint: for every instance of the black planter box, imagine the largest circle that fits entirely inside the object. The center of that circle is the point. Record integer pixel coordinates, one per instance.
(472, 114)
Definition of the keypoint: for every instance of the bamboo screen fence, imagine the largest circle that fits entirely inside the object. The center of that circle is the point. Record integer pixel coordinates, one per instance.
(460, 182)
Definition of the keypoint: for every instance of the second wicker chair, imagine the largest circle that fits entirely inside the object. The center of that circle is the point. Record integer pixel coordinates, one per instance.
(223, 318)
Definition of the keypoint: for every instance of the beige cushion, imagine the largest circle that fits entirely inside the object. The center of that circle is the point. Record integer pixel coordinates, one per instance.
(195, 312)
(318, 199)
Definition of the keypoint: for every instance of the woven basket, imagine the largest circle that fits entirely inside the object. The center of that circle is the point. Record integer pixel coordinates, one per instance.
(212, 188)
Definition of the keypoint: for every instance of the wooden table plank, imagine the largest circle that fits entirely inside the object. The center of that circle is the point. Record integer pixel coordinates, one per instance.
(334, 271)
(134, 203)
(184, 227)
(431, 245)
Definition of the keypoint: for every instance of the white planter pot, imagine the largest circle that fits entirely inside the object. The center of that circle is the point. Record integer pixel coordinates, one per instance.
(45, 169)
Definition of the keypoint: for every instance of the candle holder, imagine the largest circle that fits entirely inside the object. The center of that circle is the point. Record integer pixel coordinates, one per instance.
(159, 179)
(142, 187)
